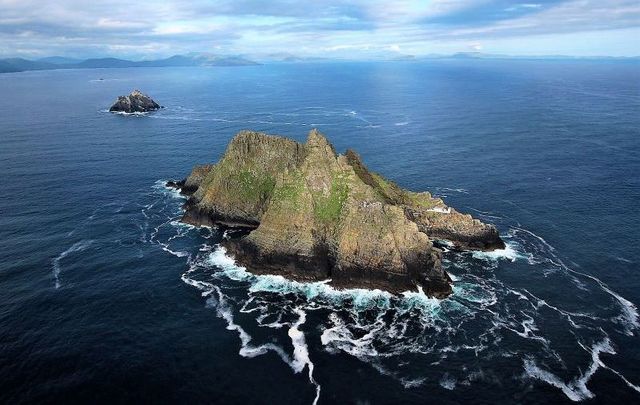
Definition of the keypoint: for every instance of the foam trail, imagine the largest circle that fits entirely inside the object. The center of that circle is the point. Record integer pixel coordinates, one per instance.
(173, 252)
(200, 285)
(629, 384)
(630, 312)
(223, 310)
(301, 352)
(575, 390)
(76, 247)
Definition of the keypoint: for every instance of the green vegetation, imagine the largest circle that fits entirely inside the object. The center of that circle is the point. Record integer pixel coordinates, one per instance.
(423, 200)
(388, 190)
(289, 192)
(253, 187)
(392, 193)
(327, 209)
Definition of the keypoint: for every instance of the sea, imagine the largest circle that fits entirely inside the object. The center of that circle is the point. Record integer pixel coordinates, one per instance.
(105, 297)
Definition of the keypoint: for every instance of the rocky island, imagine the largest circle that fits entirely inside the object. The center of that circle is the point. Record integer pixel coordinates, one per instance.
(136, 102)
(314, 215)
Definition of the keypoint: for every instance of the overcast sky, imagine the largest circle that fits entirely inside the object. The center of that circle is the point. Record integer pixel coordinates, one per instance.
(329, 28)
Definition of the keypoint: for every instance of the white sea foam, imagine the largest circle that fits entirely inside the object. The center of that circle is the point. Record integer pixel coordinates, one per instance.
(361, 298)
(446, 243)
(508, 253)
(340, 337)
(224, 311)
(374, 325)
(300, 350)
(629, 317)
(421, 301)
(297, 362)
(126, 114)
(623, 378)
(205, 287)
(176, 253)
(485, 214)
(161, 185)
(448, 382)
(576, 389)
(457, 190)
(76, 247)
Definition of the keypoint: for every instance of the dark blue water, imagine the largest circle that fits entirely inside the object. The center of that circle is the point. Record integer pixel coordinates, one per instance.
(105, 297)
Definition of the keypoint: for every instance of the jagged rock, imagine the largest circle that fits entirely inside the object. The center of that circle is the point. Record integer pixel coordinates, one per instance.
(189, 185)
(136, 102)
(431, 215)
(462, 230)
(315, 215)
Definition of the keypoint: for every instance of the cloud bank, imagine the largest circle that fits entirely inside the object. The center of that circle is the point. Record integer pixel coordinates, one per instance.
(331, 28)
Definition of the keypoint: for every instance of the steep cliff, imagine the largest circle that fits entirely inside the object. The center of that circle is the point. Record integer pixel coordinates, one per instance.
(316, 215)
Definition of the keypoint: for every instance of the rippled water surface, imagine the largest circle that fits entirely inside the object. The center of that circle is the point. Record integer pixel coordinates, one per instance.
(106, 297)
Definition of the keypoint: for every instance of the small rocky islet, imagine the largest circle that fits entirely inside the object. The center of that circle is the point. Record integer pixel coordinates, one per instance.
(314, 214)
(135, 102)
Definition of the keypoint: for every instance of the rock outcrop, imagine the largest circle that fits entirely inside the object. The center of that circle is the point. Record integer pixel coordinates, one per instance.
(316, 215)
(136, 102)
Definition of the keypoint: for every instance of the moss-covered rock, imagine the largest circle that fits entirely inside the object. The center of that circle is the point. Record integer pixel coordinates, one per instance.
(316, 214)
(236, 190)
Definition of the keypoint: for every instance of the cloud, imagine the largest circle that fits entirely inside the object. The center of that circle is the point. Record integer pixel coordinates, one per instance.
(570, 16)
(356, 28)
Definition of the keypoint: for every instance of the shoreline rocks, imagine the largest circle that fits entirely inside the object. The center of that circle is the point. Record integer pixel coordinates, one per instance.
(136, 102)
(313, 214)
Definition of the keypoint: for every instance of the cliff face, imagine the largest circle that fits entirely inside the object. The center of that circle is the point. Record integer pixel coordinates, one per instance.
(236, 191)
(319, 215)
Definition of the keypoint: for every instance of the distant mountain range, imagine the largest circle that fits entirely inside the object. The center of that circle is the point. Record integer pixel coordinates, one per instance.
(59, 62)
(204, 59)
(480, 55)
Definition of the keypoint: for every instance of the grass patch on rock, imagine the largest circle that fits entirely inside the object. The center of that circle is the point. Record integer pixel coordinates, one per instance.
(327, 209)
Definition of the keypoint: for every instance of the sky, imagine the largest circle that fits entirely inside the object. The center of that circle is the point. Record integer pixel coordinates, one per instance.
(355, 29)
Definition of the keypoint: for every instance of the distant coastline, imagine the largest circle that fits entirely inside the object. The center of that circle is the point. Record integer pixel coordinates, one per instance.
(17, 64)
(12, 65)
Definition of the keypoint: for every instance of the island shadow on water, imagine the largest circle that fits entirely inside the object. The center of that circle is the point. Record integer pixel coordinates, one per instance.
(317, 215)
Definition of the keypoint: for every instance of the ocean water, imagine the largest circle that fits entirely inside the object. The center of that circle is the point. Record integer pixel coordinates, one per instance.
(106, 298)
